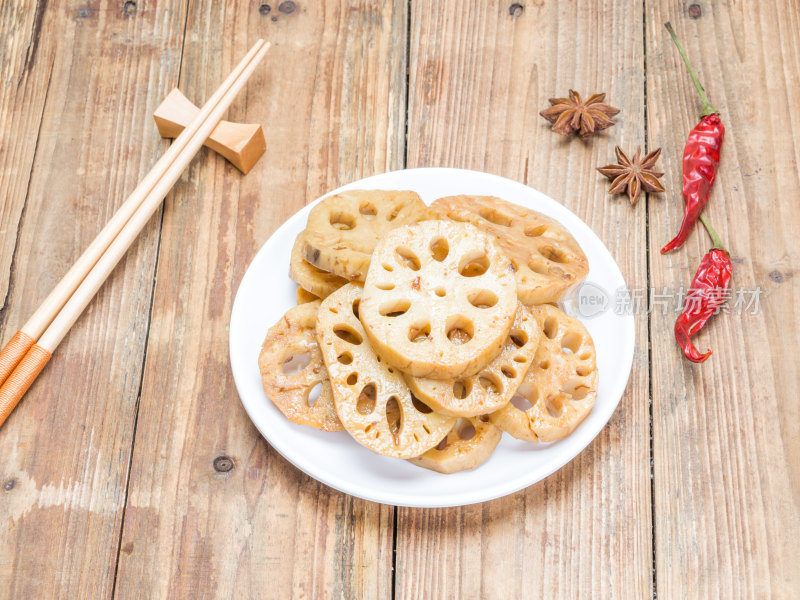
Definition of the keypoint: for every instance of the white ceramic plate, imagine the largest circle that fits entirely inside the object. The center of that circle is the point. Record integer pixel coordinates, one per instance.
(266, 293)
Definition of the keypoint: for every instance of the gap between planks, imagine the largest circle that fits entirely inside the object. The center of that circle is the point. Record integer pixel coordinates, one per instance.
(146, 346)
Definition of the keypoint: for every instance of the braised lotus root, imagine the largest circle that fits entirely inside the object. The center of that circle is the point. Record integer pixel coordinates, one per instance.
(547, 260)
(292, 372)
(315, 281)
(493, 387)
(371, 397)
(343, 229)
(439, 299)
(468, 445)
(303, 296)
(560, 388)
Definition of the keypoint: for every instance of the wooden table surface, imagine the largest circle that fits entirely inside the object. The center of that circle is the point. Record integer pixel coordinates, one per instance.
(131, 469)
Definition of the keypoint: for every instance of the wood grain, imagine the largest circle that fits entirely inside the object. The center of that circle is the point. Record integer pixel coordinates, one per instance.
(726, 445)
(479, 75)
(331, 98)
(64, 452)
(26, 59)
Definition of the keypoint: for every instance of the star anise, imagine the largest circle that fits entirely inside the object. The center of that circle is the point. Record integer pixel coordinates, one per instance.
(633, 175)
(572, 115)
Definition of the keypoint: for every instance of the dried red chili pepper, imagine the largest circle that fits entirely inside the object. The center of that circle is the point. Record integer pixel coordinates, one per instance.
(700, 158)
(706, 295)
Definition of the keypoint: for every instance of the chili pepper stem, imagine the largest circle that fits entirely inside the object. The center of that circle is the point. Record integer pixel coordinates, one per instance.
(708, 109)
(712, 232)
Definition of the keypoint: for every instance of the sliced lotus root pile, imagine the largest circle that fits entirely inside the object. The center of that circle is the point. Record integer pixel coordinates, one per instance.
(315, 281)
(439, 299)
(492, 388)
(372, 398)
(343, 230)
(292, 371)
(546, 258)
(560, 388)
(468, 445)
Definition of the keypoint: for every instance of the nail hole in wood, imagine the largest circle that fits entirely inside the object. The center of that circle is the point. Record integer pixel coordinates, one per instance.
(695, 11)
(287, 7)
(516, 9)
(264, 9)
(223, 464)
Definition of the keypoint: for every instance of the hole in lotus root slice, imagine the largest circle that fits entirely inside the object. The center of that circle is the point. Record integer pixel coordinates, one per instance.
(519, 358)
(555, 406)
(419, 332)
(464, 429)
(459, 329)
(518, 337)
(582, 371)
(356, 304)
(386, 286)
(345, 358)
(490, 382)
(577, 389)
(537, 265)
(313, 394)
(482, 298)
(462, 388)
(521, 402)
(389, 268)
(441, 292)
(508, 371)
(352, 379)
(295, 363)
(367, 210)
(342, 221)
(550, 327)
(468, 445)
(473, 264)
(544, 365)
(394, 417)
(535, 231)
(439, 249)
(394, 308)
(571, 342)
(348, 334)
(365, 403)
(292, 371)
(553, 254)
(407, 258)
(496, 217)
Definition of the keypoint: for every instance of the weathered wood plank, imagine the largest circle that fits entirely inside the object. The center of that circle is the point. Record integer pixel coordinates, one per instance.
(64, 452)
(479, 76)
(726, 446)
(25, 67)
(331, 97)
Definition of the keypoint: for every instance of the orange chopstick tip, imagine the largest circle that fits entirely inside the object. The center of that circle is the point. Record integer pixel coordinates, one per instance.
(21, 379)
(13, 352)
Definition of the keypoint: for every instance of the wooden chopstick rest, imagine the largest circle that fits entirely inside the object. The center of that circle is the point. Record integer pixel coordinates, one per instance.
(240, 143)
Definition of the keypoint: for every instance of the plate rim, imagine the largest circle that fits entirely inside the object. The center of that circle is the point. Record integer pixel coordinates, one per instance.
(513, 485)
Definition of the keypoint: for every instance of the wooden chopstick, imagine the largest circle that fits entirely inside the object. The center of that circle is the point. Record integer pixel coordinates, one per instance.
(30, 349)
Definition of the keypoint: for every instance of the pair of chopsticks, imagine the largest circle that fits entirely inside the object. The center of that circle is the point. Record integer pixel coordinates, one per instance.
(26, 354)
